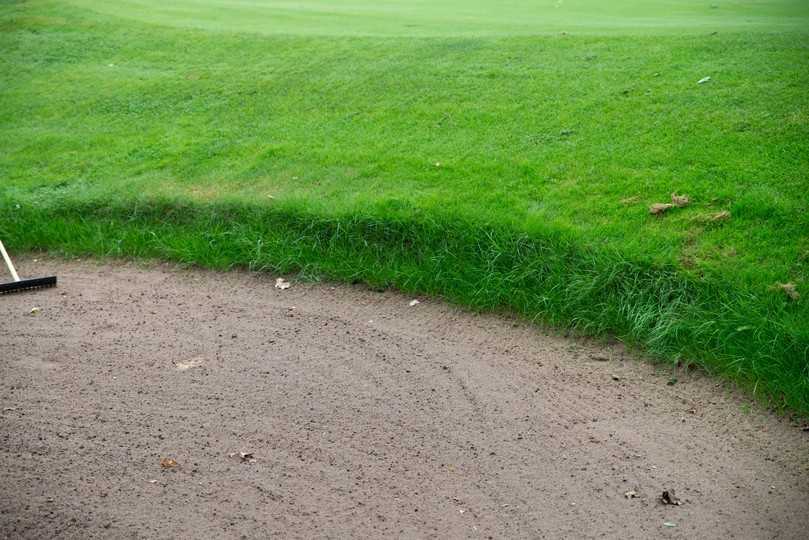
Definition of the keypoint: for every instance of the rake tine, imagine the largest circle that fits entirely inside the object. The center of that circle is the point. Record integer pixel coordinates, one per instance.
(22, 284)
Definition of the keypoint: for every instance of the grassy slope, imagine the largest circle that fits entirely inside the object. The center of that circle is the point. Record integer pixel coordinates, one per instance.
(487, 169)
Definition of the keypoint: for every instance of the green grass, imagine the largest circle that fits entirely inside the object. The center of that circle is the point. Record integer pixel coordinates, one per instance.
(500, 154)
(476, 18)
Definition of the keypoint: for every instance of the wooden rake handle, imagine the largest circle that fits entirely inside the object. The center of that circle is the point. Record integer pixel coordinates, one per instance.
(9, 264)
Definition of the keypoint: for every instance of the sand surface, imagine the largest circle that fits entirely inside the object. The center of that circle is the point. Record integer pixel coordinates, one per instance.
(362, 416)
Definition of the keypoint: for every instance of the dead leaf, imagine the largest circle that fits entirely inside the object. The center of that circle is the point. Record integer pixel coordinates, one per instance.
(631, 494)
(789, 289)
(168, 463)
(659, 208)
(721, 216)
(680, 200)
(282, 284)
(668, 497)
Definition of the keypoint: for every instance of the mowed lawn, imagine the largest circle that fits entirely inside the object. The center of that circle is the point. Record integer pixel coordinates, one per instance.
(501, 154)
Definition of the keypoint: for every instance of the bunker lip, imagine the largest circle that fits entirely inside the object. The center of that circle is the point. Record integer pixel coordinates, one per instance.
(332, 410)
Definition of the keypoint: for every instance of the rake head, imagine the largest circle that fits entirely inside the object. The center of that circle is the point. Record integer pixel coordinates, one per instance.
(28, 284)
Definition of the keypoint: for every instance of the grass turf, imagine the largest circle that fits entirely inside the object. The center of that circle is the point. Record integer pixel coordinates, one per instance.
(498, 154)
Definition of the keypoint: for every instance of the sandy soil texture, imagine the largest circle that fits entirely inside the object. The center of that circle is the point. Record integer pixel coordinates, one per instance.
(360, 416)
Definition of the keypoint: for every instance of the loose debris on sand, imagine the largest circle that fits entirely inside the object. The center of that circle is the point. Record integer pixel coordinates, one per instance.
(168, 463)
(669, 498)
(184, 365)
(282, 284)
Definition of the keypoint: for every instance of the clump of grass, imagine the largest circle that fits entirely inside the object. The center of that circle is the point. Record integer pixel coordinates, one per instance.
(756, 340)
